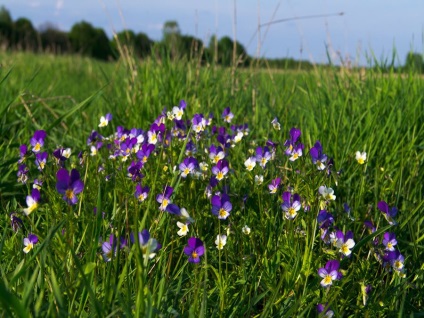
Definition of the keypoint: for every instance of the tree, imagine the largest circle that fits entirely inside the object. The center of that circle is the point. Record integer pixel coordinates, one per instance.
(53, 40)
(87, 40)
(172, 38)
(225, 52)
(414, 62)
(25, 37)
(143, 45)
(6, 27)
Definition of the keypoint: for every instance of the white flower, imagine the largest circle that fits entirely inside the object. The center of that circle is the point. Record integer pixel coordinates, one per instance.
(238, 137)
(183, 229)
(327, 193)
(250, 163)
(177, 112)
(246, 230)
(259, 179)
(345, 247)
(66, 152)
(361, 157)
(103, 121)
(220, 241)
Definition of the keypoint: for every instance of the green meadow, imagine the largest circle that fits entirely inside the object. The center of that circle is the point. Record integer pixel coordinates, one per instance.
(336, 231)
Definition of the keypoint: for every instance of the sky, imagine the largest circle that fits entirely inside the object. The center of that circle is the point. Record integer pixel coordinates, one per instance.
(367, 28)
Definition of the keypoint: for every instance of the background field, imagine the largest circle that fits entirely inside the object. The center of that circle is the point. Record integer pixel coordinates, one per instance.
(347, 110)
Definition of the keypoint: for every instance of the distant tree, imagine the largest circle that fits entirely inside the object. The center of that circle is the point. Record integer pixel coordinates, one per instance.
(225, 52)
(87, 40)
(6, 27)
(190, 46)
(25, 37)
(415, 62)
(123, 39)
(172, 38)
(143, 45)
(53, 40)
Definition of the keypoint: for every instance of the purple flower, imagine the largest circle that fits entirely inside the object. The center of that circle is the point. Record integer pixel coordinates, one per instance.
(23, 151)
(221, 169)
(188, 166)
(328, 312)
(273, 186)
(94, 138)
(16, 222)
(104, 120)
(389, 213)
(22, 173)
(345, 242)
(37, 140)
(291, 205)
(216, 153)
(199, 123)
(389, 241)
(29, 242)
(149, 246)
(165, 201)
(134, 171)
(329, 273)
(145, 151)
(41, 159)
(141, 192)
(62, 154)
(221, 206)
(318, 158)
(194, 249)
(69, 185)
(227, 115)
(395, 259)
(109, 248)
(32, 201)
(263, 156)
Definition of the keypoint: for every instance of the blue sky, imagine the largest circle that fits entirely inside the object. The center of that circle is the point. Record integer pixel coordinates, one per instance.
(367, 26)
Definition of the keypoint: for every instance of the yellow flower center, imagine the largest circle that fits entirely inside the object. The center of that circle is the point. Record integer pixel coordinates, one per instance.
(194, 254)
(220, 175)
(37, 147)
(222, 213)
(327, 280)
(291, 211)
(69, 194)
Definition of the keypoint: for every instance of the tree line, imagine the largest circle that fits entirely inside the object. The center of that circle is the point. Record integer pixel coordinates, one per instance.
(87, 40)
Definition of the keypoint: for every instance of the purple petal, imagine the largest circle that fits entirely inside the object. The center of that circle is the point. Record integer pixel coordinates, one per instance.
(383, 207)
(33, 238)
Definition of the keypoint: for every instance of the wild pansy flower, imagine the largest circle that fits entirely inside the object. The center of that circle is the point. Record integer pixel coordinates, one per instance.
(273, 186)
(178, 111)
(69, 185)
(327, 193)
(194, 249)
(165, 201)
(246, 230)
(345, 242)
(329, 273)
(318, 158)
(22, 173)
(109, 248)
(328, 312)
(198, 123)
(188, 166)
(32, 201)
(346, 208)
(183, 228)
(62, 154)
(37, 140)
(216, 153)
(148, 245)
(23, 152)
(394, 259)
(221, 206)
(223, 137)
(221, 169)
(104, 120)
(220, 241)
(190, 149)
(389, 241)
(94, 137)
(155, 133)
(370, 226)
(263, 156)
(275, 124)
(292, 148)
(145, 151)
(41, 159)
(15, 222)
(259, 179)
(227, 115)
(134, 171)
(29, 242)
(250, 163)
(291, 204)
(94, 148)
(185, 216)
(361, 157)
(325, 220)
(141, 192)
(238, 137)
(389, 213)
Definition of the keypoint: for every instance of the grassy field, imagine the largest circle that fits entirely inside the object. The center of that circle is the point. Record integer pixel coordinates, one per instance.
(72, 248)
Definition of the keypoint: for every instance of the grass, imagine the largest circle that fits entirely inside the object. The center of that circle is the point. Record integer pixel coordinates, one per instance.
(272, 272)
